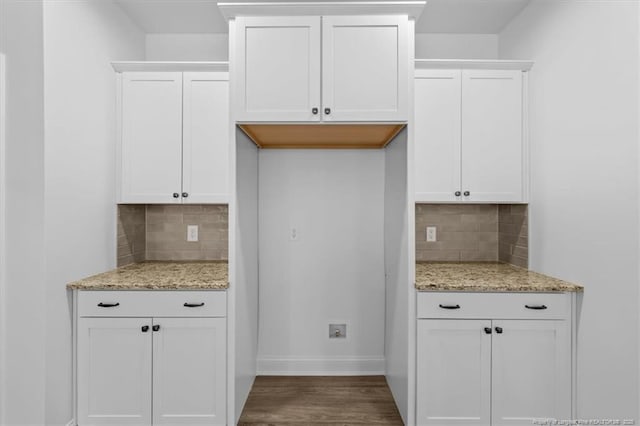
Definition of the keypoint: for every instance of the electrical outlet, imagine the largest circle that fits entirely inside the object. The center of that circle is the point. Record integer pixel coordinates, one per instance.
(192, 233)
(337, 331)
(431, 234)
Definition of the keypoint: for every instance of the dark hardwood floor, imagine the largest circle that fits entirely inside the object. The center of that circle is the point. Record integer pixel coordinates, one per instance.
(320, 401)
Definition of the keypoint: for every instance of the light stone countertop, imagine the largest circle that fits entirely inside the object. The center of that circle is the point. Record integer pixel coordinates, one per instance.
(485, 277)
(212, 275)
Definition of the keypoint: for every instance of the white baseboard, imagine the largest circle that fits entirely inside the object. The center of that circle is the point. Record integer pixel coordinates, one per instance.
(331, 366)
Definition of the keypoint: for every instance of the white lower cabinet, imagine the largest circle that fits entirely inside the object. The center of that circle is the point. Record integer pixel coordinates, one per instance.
(168, 370)
(189, 371)
(493, 370)
(114, 371)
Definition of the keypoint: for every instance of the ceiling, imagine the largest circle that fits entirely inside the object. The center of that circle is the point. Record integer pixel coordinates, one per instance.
(439, 16)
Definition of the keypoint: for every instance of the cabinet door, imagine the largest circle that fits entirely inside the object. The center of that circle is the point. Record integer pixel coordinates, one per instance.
(365, 64)
(114, 371)
(151, 149)
(531, 367)
(189, 371)
(205, 147)
(492, 160)
(278, 69)
(453, 372)
(437, 135)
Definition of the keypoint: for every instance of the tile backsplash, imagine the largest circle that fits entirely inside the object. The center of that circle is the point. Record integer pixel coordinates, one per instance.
(513, 230)
(472, 232)
(131, 234)
(165, 232)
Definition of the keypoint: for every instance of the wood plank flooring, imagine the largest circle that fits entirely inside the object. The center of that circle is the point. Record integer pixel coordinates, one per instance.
(320, 401)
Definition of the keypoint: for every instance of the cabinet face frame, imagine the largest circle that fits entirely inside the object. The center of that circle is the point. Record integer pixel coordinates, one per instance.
(243, 71)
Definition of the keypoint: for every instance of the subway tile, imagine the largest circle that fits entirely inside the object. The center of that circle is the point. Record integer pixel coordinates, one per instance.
(216, 244)
(519, 261)
(487, 237)
(477, 256)
(438, 255)
(488, 227)
(125, 260)
(490, 248)
(519, 251)
(216, 208)
(460, 245)
(155, 227)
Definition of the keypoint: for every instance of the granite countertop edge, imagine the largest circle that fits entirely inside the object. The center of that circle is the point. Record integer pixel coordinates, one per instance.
(487, 277)
(159, 275)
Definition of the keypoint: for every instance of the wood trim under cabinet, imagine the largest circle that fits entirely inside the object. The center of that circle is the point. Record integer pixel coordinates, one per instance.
(322, 136)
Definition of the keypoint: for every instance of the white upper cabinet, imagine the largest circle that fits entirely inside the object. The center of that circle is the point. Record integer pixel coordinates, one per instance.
(334, 68)
(364, 68)
(205, 141)
(151, 137)
(437, 135)
(279, 69)
(174, 141)
(470, 143)
(492, 161)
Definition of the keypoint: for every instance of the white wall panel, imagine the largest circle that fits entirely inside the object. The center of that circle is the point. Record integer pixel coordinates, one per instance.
(584, 174)
(81, 38)
(332, 271)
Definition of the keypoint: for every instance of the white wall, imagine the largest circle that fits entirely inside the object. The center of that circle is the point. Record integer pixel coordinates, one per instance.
(215, 47)
(23, 384)
(3, 95)
(81, 38)
(584, 171)
(333, 273)
(456, 46)
(187, 47)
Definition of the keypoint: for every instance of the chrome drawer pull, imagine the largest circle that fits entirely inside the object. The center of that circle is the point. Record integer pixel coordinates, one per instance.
(449, 306)
(108, 305)
(193, 305)
(536, 307)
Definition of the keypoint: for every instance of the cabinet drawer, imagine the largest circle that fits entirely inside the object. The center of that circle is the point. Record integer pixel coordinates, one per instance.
(152, 303)
(494, 305)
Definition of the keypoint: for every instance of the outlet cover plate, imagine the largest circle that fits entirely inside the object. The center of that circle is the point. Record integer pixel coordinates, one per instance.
(337, 331)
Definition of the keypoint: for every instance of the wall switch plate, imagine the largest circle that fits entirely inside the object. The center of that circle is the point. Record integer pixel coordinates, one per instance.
(431, 234)
(337, 331)
(293, 234)
(192, 233)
